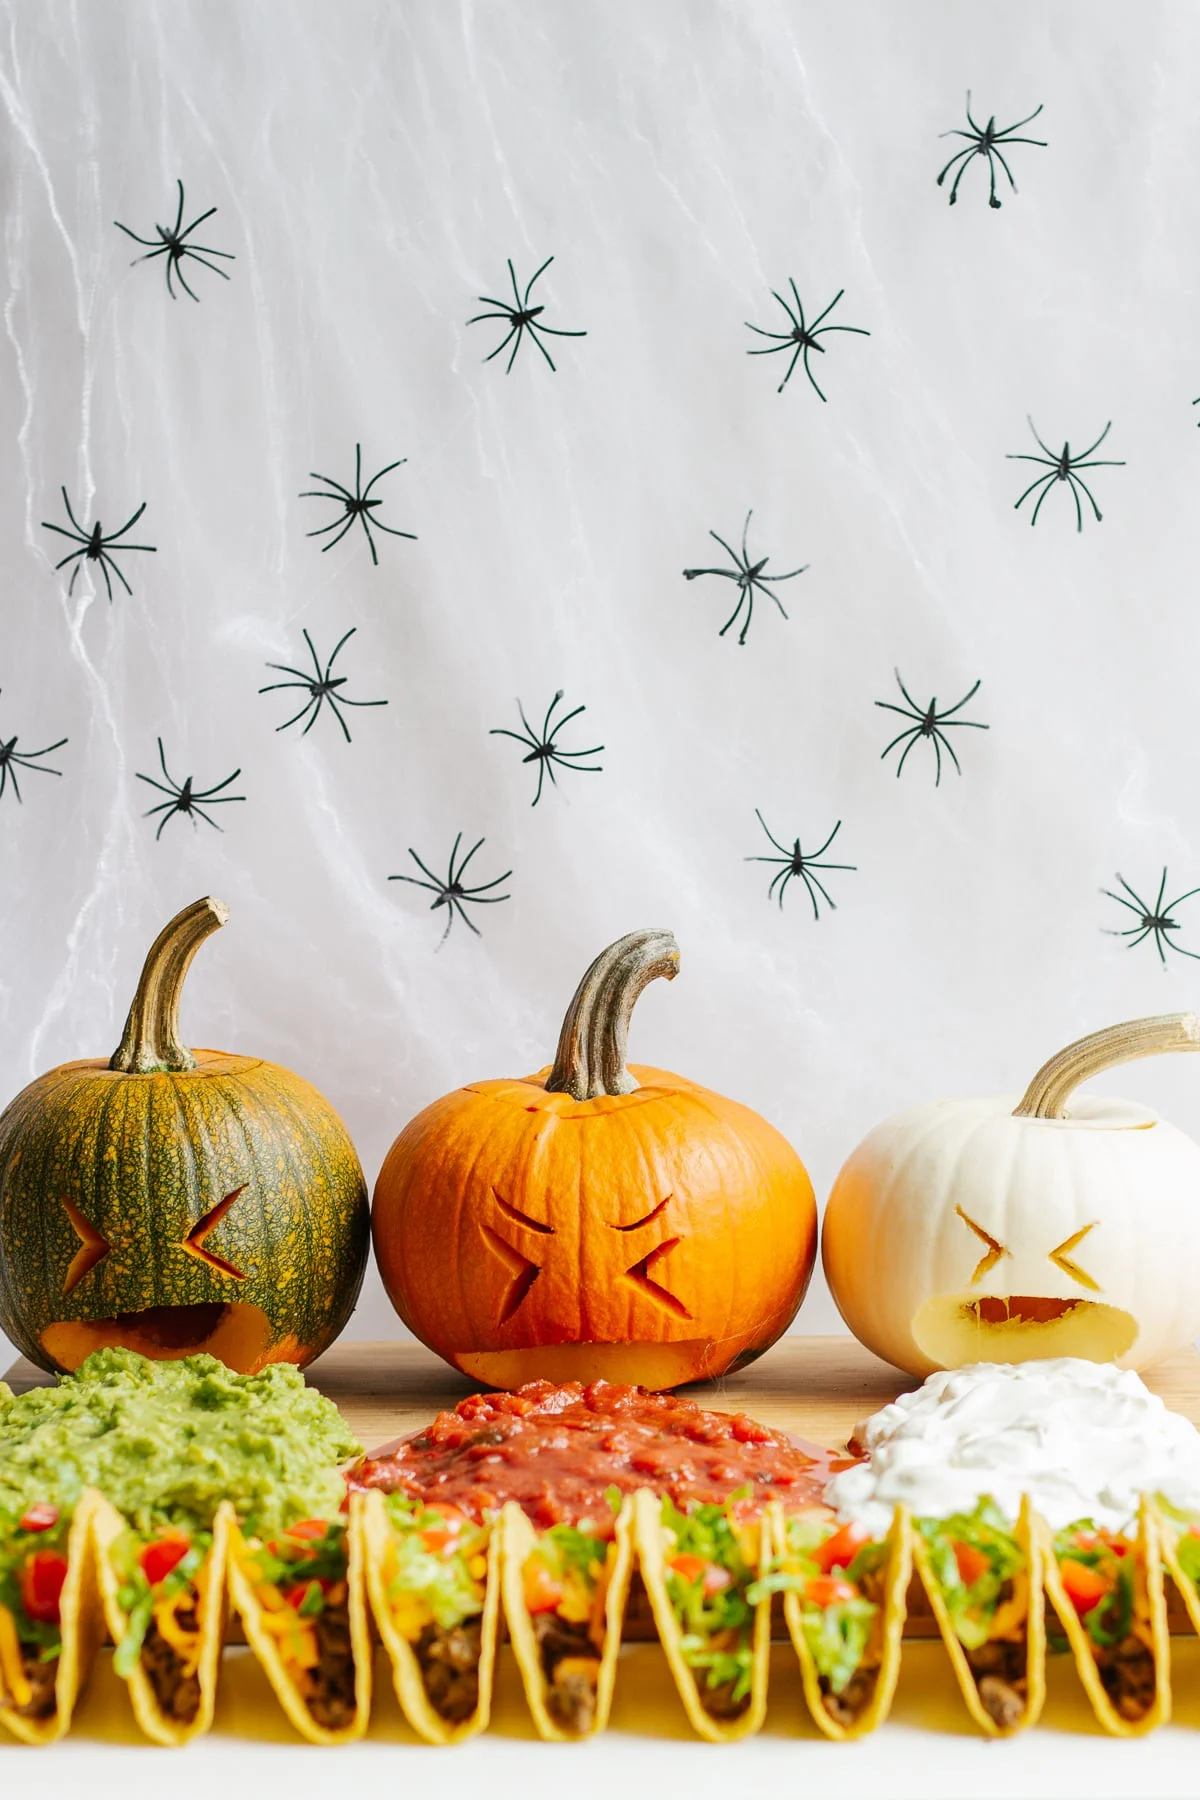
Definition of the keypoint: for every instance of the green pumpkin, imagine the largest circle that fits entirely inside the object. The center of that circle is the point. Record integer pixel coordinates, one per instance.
(174, 1202)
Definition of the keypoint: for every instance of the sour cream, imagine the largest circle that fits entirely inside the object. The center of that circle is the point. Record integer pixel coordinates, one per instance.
(1083, 1439)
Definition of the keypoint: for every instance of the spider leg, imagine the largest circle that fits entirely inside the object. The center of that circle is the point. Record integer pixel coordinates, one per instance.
(365, 523)
(770, 596)
(743, 596)
(72, 556)
(5, 771)
(433, 886)
(556, 331)
(688, 574)
(28, 759)
(202, 257)
(1162, 888)
(812, 328)
(302, 680)
(824, 847)
(1140, 906)
(179, 213)
(787, 853)
(201, 814)
(562, 723)
(917, 712)
(320, 700)
(1075, 486)
(970, 120)
(534, 338)
(542, 766)
(939, 737)
(345, 700)
(858, 330)
(200, 251)
(811, 883)
(183, 280)
(456, 906)
(313, 702)
(188, 229)
(106, 563)
(745, 535)
(991, 163)
(437, 881)
(500, 731)
(914, 737)
(784, 876)
(162, 822)
(1009, 129)
(797, 322)
(345, 522)
(112, 536)
(959, 155)
(570, 760)
(480, 896)
(809, 372)
(912, 732)
(345, 637)
(1045, 447)
(457, 874)
(999, 156)
(1095, 446)
(157, 251)
(504, 310)
(1045, 482)
(209, 793)
(340, 493)
(962, 171)
(781, 338)
(1179, 949)
(790, 367)
(335, 709)
(1047, 462)
(903, 711)
(391, 529)
(398, 464)
(1133, 933)
(961, 703)
(74, 577)
(162, 762)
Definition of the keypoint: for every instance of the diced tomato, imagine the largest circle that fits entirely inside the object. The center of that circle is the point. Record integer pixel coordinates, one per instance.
(40, 1517)
(972, 1563)
(298, 1592)
(306, 1529)
(829, 1590)
(695, 1568)
(1085, 1587)
(157, 1559)
(439, 1536)
(1103, 1540)
(543, 1591)
(41, 1585)
(1193, 1531)
(840, 1550)
(690, 1567)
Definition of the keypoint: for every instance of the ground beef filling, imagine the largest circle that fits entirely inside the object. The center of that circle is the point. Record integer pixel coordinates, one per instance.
(1129, 1676)
(43, 1701)
(846, 1708)
(331, 1685)
(571, 1668)
(1001, 1677)
(177, 1692)
(449, 1662)
(719, 1702)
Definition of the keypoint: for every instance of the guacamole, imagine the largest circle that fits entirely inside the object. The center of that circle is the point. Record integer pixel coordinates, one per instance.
(168, 1441)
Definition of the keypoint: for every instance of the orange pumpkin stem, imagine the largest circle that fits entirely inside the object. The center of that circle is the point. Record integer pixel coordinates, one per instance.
(590, 1059)
(1047, 1094)
(150, 1044)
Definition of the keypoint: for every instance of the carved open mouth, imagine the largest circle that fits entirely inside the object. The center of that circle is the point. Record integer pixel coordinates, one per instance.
(661, 1365)
(960, 1328)
(237, 1333)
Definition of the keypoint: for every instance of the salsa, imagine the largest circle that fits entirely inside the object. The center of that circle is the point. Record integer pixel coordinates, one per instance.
(564, 1453)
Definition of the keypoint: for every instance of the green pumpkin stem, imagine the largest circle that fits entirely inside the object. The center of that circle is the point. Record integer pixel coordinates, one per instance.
(590, 1059)
(1047, 1094)
(150, 1044)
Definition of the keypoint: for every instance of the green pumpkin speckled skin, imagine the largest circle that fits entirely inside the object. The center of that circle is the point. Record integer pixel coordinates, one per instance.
(217, 1207)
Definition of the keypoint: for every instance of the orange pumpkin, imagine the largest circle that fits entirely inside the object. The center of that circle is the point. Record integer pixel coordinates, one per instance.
(591, 1220)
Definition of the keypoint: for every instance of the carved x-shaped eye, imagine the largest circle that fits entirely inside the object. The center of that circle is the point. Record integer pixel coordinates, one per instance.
(523, 1270)
(995, 1249)
(193, 1244)
(640, 1275)
(1063, 1261)
(93, 1247)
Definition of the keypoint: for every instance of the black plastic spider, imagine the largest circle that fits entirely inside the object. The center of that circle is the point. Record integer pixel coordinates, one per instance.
(748, 576)
(929, 724)
(795, 862)
(986, 142)
(186, 799)
(11, 759)
(1062, 468)
(357, 505)
(172, 245)
(321, 685)
(803, 336)
(96, 546)
(1154, 919)
(451, 893)
(543, 747)
(521, 318)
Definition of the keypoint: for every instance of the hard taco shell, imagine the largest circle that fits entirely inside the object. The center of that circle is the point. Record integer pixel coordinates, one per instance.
(407, 1675)
(266, 1648)
(1150, 1576)
(651, 1550)
(518, 1537)
(107, 1526)
(82, 1619)
(1027, 1535)
(895, 1606)
(1168, 1536)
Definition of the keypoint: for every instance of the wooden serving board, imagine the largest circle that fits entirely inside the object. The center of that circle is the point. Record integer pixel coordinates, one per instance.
(815, 1388)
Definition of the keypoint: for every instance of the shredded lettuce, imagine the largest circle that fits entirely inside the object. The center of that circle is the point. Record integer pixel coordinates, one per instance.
(838, 1636)
(16, 1546)
(138, 1598)
(972, 1607)
(1110, 1621)
(1187, 1550)
(707, 1533)
(441, 1578)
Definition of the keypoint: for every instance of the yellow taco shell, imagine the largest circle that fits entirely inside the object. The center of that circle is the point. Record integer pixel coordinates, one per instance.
(518, 1536)
(1149, 1591)
(1030, 1540)
(107, 1526)
(890, 1629)
(82, 1633)
(407, 1676)
(266, 1646)
(649, 1535)
(1168, 1537)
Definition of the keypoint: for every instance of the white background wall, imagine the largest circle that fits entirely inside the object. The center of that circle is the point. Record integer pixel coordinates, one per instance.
(373, 166)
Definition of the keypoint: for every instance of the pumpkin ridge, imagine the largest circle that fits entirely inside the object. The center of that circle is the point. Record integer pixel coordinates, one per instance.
(282, 1101)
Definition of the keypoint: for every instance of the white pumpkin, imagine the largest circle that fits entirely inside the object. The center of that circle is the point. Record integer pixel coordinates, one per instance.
(988, 1231)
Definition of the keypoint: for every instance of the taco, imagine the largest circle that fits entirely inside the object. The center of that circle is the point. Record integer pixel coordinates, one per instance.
(698, 1568)
(51, 1621)
(983, 1578)
(844, 1599)
(302, 1603)
(164, 1599)
(433, 1580)
(1107, 1589)
(1179, 1537)
(565, 1590)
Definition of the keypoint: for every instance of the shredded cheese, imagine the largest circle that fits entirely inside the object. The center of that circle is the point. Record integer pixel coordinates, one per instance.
(186, 1644)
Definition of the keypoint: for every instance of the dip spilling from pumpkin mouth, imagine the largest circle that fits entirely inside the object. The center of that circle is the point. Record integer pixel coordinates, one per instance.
(963, 1328)
(237, 1333)
(661, 1365)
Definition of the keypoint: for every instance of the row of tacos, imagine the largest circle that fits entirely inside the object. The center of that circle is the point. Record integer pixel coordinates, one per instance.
(437, 1583)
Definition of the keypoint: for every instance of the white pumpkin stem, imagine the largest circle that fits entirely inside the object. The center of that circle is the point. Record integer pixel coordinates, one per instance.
(1047, 1094)
(590, 1059)
(150, 1044)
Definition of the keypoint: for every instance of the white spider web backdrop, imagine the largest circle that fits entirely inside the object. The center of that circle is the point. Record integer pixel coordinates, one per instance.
(373, 168)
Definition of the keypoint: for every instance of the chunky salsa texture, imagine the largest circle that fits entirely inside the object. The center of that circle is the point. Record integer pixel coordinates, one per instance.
(561, 1453)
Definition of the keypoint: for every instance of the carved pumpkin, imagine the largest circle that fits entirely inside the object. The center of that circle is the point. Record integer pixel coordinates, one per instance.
(174, 1202)
(592, 1220)
(979, 1231)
